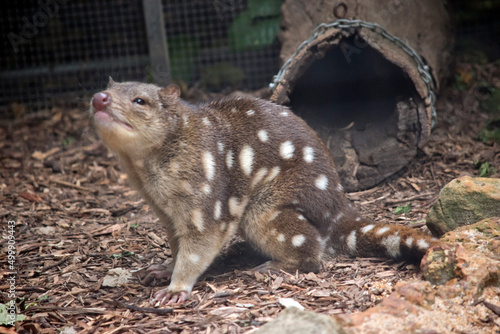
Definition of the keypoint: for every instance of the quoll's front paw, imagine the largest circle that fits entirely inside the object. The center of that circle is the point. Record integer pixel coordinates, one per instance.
(169, 297)
(158, 271)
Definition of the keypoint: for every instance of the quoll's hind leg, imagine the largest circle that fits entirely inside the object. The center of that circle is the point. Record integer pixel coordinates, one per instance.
(288, 238)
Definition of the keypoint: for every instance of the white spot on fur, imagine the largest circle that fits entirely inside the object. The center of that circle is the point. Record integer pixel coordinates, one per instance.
(229, 159)
(351, 241)
(206, 121)
(220, 147)
(174, 167)
(422, 244)
(308, 154)
(321, 182)
(382, 230)
(207, 189)
(185, 119)
(273, 231)
(285, 113)
(234, 110)
(301, 217)
(274, 215)
(250, 112)
(409, 242)
(236, 207)
(340, 188)
(367, 228)
(231, 228)
(263, 136)
(332, 251)
(272, 174)
(322, 242)
(217, 210)
(194, 258)
(280, 237)
(327, 215)
(287, 149)
(338, 217)
(392, 244)
(357, 219)
(209, 165)
(223, 226)
(197, 218)
(246, 160)
(298, 240)
(186, 186)
(139, 163)
(258, 176)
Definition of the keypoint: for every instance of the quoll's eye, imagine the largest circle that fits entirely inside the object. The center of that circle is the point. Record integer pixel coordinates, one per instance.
(139, 101)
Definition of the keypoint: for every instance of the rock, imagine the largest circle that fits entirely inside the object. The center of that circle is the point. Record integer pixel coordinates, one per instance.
(419, 307)
(464, 201)
(292, 320)
(466, 267)
(470, 253)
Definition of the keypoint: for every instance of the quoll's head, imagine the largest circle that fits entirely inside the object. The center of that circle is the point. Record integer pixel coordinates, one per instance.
(133, 116)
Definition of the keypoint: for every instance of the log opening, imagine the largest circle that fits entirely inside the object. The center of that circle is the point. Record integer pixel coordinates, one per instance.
(361, 95)
(356, 89)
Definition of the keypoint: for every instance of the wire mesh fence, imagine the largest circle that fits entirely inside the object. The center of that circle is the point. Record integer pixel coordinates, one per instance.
(57, 52)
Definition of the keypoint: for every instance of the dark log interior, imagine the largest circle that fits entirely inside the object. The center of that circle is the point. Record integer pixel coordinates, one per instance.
(361, 88)
(352, 97)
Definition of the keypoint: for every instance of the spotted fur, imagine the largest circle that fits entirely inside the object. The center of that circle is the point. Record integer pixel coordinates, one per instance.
(237, 165)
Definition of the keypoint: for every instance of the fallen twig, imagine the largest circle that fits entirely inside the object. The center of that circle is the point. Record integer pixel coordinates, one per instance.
(141, 309)
(71, 185)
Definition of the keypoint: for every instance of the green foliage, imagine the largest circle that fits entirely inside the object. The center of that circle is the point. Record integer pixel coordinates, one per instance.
(485, 169)
(264, 8)
(492, 102)
(491, 132)
(221, 75)
(403, 209)
(182, 49)
(255, 27)
(124, 253)
(67, 141)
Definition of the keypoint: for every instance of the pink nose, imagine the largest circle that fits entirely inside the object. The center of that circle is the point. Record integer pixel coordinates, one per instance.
(101, 100)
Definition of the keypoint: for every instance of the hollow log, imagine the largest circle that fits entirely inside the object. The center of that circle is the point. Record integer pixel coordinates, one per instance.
(359, 85)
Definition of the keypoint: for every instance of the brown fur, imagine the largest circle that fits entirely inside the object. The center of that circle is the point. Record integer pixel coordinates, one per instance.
(209, 172)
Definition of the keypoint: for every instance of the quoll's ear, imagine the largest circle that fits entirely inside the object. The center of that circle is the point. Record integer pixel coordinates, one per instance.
(170, 95)
(111, 82)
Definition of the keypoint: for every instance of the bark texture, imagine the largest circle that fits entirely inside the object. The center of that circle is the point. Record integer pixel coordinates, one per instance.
(360, 91)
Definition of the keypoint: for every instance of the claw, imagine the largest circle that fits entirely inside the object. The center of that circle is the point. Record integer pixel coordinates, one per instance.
(165, 296)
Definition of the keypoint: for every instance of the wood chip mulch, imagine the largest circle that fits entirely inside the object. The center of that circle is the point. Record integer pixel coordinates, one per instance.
(76, 218)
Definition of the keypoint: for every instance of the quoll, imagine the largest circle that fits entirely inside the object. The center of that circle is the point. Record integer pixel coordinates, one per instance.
(237, 165)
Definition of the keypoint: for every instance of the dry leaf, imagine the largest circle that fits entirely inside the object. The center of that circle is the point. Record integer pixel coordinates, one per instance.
(117, 276)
